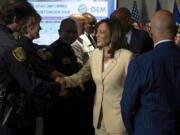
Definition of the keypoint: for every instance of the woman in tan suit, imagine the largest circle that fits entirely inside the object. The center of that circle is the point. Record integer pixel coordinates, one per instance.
(108, 67)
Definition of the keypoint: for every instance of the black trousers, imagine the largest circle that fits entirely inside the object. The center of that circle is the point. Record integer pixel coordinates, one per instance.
(30, 130)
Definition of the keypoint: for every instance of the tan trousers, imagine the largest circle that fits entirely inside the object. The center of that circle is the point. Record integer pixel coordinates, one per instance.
(102, 130)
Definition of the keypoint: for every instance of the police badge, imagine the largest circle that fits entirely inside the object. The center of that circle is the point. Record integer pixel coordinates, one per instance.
(19, 54)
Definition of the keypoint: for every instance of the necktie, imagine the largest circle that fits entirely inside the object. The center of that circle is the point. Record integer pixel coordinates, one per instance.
(91, 40)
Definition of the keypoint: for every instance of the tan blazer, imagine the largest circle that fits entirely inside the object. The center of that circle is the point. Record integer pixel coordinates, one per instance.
(109, 87)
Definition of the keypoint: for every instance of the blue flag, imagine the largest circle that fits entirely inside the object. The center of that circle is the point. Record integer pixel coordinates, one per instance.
(158, 6)
(135, 13)
(176, 13)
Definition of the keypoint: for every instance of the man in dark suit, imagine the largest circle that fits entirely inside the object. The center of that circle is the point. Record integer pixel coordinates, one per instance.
(151, 99)
(138, 40)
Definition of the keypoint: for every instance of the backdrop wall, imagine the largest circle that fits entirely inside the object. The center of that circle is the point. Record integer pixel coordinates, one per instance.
(147, 8)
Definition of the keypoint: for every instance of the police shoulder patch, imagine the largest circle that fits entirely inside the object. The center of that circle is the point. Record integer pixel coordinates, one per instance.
(19, 54)
(42, 54)
(49, 55)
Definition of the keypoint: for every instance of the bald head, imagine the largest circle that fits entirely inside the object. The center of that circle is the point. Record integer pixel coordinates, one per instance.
(124, 16)
(90, 23)
(80, 20)
(88, 15)
(76, 17)
(121, 13)
(163, 25)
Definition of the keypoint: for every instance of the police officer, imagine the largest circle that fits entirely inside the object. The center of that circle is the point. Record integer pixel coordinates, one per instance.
(40, 62)
(39, 56)
(18, 80)
(70, 115)
(62, 113)
(64, 58)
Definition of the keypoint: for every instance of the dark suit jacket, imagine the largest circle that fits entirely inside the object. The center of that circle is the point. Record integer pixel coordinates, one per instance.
(140, 42)
(151, 99)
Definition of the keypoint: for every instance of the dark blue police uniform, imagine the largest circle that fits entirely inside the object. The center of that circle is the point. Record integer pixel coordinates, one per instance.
(17, 77)
(38, 57)
(73, 115)
(63, 59)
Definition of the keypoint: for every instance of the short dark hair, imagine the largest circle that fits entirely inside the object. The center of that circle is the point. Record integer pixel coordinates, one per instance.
(124, 12)
(67, 20)
(147, 21)
(19, 8)
(117, 37)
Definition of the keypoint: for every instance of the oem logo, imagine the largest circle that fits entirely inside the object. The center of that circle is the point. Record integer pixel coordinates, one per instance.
(82, 8)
